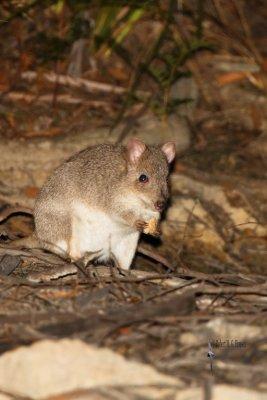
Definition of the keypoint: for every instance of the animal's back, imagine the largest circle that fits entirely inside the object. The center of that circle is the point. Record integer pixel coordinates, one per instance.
(86, 175)
(87, 178)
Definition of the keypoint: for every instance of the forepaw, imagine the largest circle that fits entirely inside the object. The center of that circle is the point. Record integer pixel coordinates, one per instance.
(141, 225)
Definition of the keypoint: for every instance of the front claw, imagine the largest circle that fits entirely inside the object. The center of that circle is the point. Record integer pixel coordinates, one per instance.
(140, 225)
(157, 232)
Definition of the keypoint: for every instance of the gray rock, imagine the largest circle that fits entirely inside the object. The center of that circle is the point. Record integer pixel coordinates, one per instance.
(154, 130)
(185, 88)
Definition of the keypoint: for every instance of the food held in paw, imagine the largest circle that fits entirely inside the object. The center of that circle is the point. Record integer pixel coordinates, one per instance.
(152, 227)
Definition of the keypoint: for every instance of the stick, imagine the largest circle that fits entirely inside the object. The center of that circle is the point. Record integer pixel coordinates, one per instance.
(89, 86)
(154, 256)
(48, 98)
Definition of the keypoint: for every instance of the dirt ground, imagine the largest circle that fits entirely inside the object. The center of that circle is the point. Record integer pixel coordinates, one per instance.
(202, 286)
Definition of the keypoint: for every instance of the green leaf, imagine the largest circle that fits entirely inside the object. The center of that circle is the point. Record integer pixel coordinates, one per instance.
(133, 17)
(58, 6)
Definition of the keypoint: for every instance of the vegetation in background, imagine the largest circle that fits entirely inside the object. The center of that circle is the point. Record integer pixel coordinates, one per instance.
(107, 25)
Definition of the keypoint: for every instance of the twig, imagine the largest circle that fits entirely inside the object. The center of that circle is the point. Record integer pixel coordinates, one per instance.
(112, 266)
(186, 284)
(88, 86)
(134, 277)
(61, 98)
(259, 290)
(247, 31)
(154, 256)
(5, 249)
(187, 224)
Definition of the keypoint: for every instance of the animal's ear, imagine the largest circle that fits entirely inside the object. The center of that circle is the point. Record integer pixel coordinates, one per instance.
(169, 151)
(135, 148)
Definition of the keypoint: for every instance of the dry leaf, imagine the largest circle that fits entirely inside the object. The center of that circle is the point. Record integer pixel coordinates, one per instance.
(119, 74)
(26, 60)
(125, 330)
(31, 191)
(45, 132)
(179, 167)
(231, 77)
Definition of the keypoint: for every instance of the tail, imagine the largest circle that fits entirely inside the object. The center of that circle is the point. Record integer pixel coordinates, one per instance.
(29, 242)
(8, 212)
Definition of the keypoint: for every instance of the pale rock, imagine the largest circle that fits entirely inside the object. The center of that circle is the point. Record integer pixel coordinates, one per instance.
(45, 145)
(220, 329)
(204, 229)
(53, 367)
(189, 339)
(5, 397)
(227, 330)
(215, 193)
(221, 392)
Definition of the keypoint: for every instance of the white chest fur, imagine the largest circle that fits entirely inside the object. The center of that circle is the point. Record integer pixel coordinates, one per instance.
(96, 232)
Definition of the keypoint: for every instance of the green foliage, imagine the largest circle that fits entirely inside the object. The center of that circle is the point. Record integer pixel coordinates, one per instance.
(108, 23)
(165, 60)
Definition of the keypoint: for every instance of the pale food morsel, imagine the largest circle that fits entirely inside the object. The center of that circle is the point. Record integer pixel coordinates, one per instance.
(152, 227)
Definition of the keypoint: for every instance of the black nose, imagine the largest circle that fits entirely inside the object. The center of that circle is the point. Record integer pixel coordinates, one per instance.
(159, 205)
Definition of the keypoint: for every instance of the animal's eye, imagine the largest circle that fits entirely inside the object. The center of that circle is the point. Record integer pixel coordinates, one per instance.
(143, 178)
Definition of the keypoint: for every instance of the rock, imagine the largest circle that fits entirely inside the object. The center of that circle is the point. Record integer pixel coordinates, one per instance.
(185, 88)
(5, 397)
(222, 392)
(8, 264)
(49, 368)
(152, 130)
(28, 163)
(227, 330)
(221, 330)
(216, 194)
(242, 107)
(204, 226)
